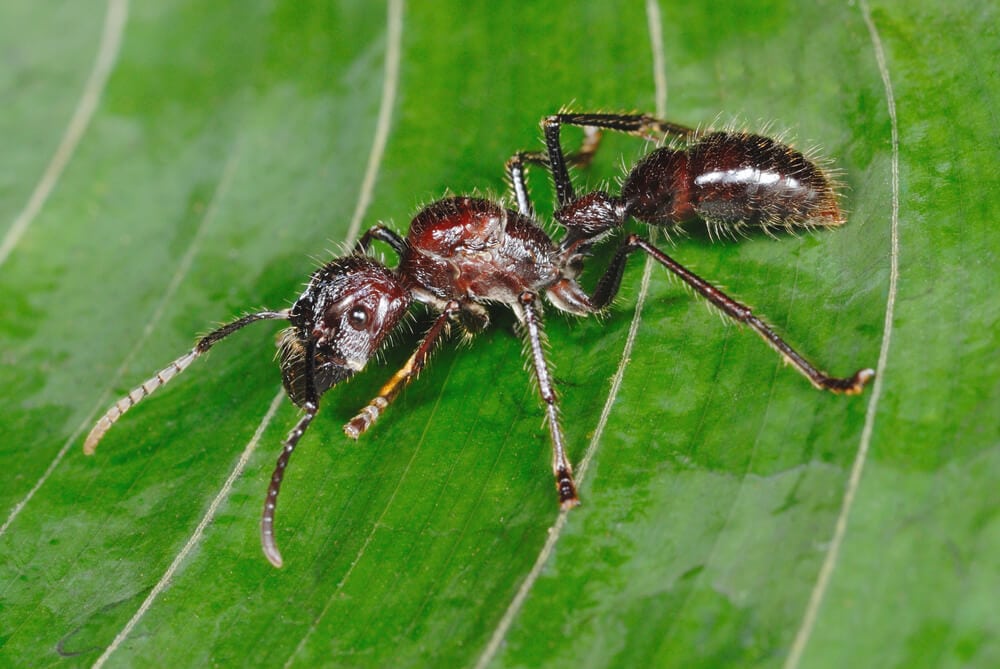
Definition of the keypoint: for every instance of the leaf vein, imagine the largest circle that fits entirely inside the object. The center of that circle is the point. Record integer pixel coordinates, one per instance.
(197, 534)
(175, 281)
(808, 623)
(107, 54)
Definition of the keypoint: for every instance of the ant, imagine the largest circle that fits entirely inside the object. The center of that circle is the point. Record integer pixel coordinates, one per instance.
(463, 253)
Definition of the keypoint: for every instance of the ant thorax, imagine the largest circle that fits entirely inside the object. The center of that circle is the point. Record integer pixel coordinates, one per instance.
(470, 249)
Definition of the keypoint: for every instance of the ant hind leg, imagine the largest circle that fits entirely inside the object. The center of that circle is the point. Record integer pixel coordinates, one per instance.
(608, 285)
(637, 125)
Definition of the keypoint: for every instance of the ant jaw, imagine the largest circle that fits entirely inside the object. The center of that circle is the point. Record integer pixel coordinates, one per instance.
(328, 371)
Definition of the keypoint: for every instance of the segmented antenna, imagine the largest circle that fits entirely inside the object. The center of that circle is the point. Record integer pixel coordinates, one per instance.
(138, 393)
(170, 371)
(267, 541)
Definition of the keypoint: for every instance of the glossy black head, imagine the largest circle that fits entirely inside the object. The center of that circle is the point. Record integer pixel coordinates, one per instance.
(349, 307)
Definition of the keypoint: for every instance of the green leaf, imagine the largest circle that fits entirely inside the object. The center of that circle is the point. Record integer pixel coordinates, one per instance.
(226, 158)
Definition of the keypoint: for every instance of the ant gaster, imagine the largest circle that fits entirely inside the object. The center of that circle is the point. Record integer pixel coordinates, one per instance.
(462, 253)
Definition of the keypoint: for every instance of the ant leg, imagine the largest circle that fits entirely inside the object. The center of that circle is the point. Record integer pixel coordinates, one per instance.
(161, 378)
(517, 174)
(639, 125)
(610, 282)
(382, 234)
(516, 167)
(310, 407)
(561, 468)
(367, 416)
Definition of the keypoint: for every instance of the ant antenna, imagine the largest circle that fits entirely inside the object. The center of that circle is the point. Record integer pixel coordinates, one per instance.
(161, 378)
(267, 542)
(310, 407)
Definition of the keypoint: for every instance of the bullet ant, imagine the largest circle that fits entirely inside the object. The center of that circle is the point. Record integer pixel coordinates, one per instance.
(462, 253)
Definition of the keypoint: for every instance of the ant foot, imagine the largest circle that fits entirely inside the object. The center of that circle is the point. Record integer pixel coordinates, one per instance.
(859, 381)
(852, 386)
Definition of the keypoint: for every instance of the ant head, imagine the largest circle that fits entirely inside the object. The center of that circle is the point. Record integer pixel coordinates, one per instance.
(349, 307)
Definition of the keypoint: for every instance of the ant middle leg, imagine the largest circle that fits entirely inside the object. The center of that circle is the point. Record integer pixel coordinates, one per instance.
(608, 285)
(639, 125)
(365, 418)
(516, 169)
(561, 468)
(516, 166)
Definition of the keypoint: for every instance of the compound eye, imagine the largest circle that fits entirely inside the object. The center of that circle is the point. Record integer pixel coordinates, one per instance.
(358, 318)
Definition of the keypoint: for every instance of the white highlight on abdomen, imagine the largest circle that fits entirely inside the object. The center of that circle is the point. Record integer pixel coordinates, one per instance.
(745, 175)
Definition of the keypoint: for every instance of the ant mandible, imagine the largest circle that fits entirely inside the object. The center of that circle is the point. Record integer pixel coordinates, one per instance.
(462, 253)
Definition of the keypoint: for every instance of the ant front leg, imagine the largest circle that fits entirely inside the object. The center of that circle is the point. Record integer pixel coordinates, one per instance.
(367, 416)
(639, 125)
(516, 169)
(382, 234)
(609, 284)
(561, 468)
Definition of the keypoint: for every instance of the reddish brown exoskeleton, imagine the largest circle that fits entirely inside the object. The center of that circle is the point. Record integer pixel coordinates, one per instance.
(462, 253)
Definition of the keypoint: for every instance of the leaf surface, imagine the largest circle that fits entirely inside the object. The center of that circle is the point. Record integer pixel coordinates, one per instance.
(226, 158)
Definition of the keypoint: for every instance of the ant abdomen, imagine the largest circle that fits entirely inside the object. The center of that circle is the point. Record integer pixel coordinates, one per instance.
(731, 179)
